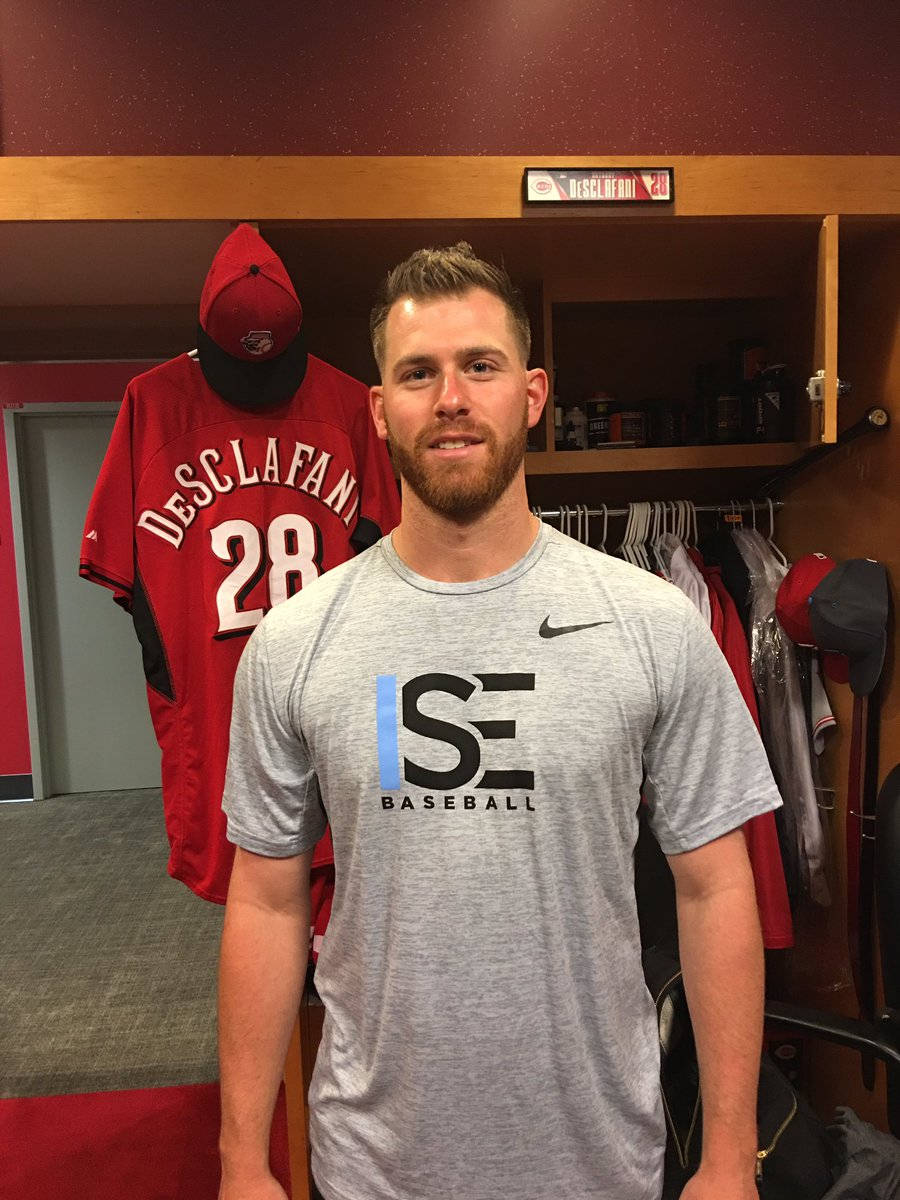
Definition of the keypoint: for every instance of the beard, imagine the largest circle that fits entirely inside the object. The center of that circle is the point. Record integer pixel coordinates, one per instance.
(461, 491)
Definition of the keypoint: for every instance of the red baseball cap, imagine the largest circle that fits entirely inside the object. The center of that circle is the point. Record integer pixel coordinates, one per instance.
(250, 343)
(248, 305)
(792, 609)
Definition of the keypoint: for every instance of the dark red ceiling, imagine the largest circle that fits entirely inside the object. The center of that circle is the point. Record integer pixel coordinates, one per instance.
(468, 77)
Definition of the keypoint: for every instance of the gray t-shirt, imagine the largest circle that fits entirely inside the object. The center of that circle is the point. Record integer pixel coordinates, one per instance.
(480, 751)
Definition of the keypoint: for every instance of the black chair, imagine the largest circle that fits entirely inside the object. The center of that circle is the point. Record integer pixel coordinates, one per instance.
(878, 1039)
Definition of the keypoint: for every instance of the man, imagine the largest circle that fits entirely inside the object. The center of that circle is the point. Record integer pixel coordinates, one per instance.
(477, 703)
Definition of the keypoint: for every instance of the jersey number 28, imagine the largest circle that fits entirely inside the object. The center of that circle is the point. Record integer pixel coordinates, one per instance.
(290, 550)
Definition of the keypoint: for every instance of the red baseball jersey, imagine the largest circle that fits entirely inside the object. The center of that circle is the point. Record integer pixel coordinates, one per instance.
(205, 516)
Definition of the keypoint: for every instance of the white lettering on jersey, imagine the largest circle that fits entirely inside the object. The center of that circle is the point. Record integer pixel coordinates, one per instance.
(244, 480)
(302, 455)
(270, 471)
(341, 493)
(312, 484)
(349, 517)
(294, 546)
(343, 499)
(226, 539)
(177, 504)
(163, 527)
(184, 473)
(221, 485)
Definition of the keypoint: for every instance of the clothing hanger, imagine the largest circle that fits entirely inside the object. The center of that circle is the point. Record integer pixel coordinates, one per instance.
(622, 551)
(781, 558)
(660, 522)
(645, 533)
(679, 520)
(578, 522)
(605, 524)
(587, 525)
(625, 546)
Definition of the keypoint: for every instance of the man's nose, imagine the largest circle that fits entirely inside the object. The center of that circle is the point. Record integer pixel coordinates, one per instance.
(451, 399)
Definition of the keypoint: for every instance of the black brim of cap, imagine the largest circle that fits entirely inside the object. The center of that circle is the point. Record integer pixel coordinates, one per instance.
(252, 385)
(865, 652)
(865, 672)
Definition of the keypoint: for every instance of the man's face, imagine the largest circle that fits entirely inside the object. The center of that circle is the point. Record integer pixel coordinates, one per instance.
(456, 401)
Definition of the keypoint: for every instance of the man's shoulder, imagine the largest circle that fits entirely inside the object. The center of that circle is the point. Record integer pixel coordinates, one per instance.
(318, 600)
(639, 588)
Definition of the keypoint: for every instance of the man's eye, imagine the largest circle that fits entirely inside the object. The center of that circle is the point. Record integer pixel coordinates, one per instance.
(416, 375)
(481, 367)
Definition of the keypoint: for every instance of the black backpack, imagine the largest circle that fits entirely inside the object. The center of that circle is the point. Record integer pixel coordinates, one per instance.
(796, 1158)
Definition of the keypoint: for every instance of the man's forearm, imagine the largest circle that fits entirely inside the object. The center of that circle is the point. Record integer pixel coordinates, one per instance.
(261, 973)
(724, 977)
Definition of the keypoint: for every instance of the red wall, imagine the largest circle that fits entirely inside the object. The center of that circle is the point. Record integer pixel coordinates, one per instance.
(450, 77)
(21, 384)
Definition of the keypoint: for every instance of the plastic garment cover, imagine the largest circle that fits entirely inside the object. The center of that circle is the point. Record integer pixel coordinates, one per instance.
(773, 663)
(685, 575)
(870, 1160)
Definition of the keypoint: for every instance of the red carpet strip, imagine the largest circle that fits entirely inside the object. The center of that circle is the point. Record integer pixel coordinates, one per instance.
(148, 1144)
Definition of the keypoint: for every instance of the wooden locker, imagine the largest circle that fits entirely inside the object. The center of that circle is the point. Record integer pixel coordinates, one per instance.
(807, 247)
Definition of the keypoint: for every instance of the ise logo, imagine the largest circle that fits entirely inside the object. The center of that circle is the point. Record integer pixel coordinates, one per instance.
(458, 735)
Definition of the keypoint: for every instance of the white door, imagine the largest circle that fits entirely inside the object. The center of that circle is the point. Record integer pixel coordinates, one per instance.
(94, 723)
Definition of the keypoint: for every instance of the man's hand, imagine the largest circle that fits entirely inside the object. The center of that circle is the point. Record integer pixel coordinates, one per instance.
(719, 1184)
(259, 1187)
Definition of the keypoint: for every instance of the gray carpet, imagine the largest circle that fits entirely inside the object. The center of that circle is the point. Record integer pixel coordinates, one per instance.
(107, 966)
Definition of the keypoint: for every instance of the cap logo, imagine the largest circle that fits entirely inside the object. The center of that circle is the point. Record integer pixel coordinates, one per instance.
(258, 341)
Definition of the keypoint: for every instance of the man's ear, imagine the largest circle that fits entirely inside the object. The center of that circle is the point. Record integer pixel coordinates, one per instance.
(536, 388)
(376, 407)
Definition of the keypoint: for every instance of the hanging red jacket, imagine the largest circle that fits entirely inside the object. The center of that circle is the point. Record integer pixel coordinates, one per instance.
(760, 832)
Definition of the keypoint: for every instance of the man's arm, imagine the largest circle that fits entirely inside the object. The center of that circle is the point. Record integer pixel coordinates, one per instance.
(261, 973)
(724, 977)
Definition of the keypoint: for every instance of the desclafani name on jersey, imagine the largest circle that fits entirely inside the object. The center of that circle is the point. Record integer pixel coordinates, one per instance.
(468, 803)
(217, 474)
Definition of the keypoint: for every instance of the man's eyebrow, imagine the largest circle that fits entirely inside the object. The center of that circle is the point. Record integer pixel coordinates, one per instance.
(468, 352)
(413, 360)
(483, 352)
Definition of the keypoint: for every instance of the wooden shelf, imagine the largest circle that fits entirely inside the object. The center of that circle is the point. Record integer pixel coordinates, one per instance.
(392, 188)
(663, 458)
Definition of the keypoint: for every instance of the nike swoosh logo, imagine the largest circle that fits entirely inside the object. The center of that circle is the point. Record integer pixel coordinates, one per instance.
(547, 631)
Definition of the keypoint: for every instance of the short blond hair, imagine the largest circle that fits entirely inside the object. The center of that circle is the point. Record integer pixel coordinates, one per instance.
(448, 271)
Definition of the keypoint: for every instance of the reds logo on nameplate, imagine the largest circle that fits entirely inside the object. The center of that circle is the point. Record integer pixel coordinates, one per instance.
(608, 185)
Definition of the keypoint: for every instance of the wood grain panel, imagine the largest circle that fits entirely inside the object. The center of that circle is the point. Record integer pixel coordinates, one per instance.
(847, 506)
(297, 1065)
(663, 458)
(62, 188)
(823, 418)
